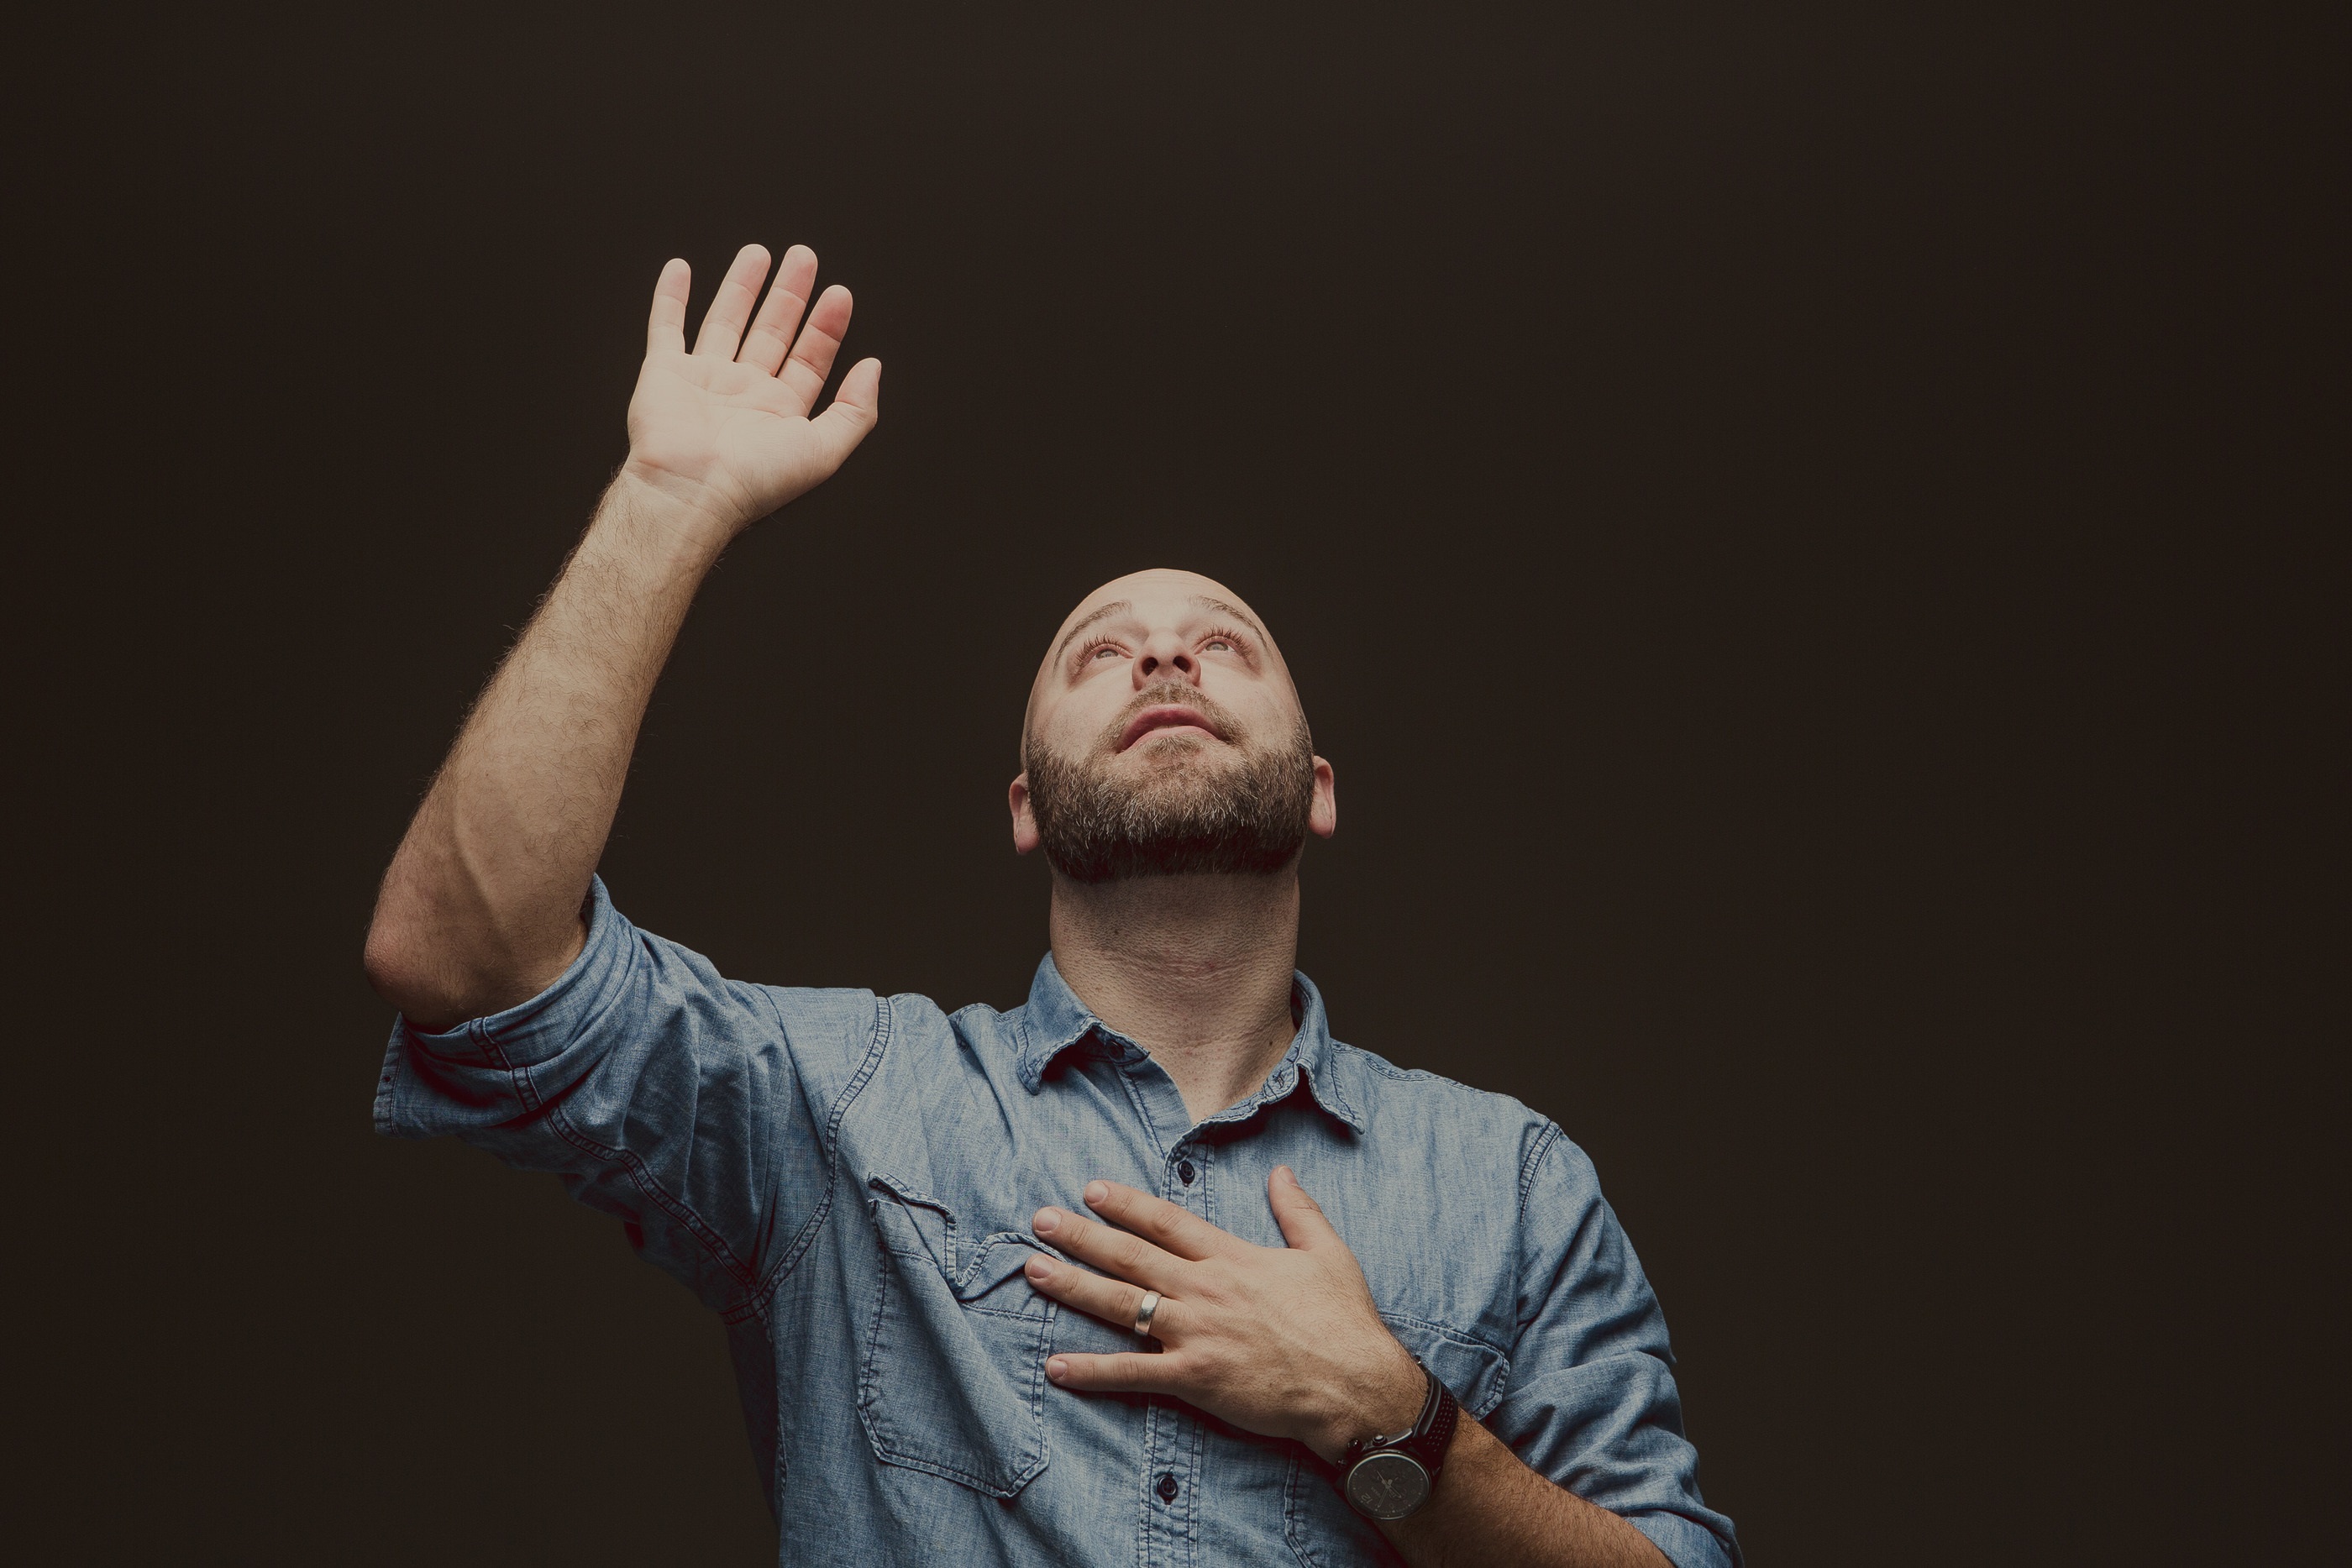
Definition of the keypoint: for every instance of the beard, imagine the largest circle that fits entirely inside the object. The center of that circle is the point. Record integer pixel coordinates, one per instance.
(1187, 814)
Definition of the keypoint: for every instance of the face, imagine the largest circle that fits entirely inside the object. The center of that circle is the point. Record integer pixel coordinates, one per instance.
(1164, 737)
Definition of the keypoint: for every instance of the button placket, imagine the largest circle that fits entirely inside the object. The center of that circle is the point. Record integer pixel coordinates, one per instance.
(1171, 1460)
(1178, 1491)
(1186, 1178)
(1182, 1181)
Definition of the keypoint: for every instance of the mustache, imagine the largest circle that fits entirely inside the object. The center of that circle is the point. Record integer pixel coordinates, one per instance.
(1174, 694)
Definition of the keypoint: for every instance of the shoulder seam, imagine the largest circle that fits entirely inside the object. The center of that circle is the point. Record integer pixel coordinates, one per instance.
(756, 1305)
(1528, 1167)
(1545, 1140)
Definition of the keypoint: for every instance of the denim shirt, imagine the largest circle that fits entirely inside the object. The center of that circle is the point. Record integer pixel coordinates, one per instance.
(847, 1180)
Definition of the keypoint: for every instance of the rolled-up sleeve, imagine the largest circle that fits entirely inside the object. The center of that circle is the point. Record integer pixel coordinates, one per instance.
(659, 1092)
(1592, 1401)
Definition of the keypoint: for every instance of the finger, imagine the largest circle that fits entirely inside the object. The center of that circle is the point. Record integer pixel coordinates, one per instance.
(1114, 1302)
(1165, 1225)
(856, 410)
(1129, 1257)
(1125, 1372)
(772, 330)
(1300, 1217)
(722, 324)
(812, 358)
(666, 328)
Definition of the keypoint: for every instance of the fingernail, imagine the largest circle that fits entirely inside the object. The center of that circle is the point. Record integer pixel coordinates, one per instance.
(1038, 1268)
(1057, 1369)
(1098, 1193)
(1287, 1174)
(1047, 1219)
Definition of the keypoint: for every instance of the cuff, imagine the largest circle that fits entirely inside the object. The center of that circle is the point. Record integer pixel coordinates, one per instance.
(1685, 1543)
(524, 1035)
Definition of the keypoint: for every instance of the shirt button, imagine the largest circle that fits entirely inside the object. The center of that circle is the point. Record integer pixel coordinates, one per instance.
(1167, 1487)
(1185, 1173)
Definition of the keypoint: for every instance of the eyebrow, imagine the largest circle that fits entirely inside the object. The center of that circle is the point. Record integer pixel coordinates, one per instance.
(1101, 613)
(1120, 606)
(1235, 610)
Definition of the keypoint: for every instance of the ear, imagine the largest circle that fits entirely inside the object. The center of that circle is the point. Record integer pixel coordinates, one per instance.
(1323, 817)
(1024, 822)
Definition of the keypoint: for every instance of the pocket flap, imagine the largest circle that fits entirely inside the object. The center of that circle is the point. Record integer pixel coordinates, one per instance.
(1476, 1372)
(914, 1223)
(998, 1260)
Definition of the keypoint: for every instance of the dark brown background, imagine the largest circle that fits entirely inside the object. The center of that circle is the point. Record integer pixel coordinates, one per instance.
(1801, 533)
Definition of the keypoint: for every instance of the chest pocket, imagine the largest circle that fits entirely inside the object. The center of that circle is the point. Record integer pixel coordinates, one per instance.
(953, 1379)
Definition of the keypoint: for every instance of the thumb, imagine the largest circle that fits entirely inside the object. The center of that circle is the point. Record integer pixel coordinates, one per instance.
(855, 408)
(1300, 1217)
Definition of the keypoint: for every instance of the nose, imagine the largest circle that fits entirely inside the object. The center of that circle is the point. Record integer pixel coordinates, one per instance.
(1165, 658)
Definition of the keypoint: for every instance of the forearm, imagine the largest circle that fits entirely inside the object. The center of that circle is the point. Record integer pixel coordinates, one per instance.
(1489, 1510)
(480, 908)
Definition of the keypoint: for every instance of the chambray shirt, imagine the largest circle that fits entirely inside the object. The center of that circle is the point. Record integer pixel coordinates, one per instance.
(848, 1179)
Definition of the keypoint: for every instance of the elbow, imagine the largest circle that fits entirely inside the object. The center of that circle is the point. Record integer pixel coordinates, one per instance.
(397, 962)
(384, 961)
(441, 966)
(388, 960)
(410, 961)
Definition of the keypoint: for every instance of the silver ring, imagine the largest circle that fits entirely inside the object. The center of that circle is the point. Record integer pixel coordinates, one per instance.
(1148, 1305)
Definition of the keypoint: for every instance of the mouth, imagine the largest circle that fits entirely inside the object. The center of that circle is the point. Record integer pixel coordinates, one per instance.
(1167, 719)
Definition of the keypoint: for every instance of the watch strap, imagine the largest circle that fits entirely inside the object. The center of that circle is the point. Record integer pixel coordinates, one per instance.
(1425, 1441)
(1434, 1433)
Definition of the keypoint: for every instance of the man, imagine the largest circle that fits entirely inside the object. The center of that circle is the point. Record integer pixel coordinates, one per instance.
(1148, 1269)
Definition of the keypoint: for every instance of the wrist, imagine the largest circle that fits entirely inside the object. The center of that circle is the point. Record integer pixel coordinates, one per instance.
(1385, 1401)
(663, 521)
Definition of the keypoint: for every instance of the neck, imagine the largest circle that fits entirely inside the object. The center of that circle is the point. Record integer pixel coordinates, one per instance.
(1196, 970)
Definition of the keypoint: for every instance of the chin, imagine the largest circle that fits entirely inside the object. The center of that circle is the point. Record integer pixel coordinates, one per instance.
(1161, 747)
(1178, 768)
(1190, 766)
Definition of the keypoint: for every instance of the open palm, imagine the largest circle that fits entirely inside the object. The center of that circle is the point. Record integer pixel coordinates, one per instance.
(726, 429)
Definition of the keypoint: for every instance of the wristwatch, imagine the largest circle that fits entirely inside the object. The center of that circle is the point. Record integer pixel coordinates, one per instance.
(1391, 1477)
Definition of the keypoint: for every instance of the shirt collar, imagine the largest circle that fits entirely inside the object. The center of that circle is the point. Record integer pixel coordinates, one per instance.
(1054, 1020)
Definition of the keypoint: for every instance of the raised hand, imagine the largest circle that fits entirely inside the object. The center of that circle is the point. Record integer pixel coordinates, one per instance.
(726, 429)
(1280, 1341)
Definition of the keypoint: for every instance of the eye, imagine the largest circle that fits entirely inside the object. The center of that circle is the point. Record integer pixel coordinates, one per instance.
(1225, 641)
(1108, 649)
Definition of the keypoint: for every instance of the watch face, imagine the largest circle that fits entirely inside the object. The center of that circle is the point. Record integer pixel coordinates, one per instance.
(1387, 1485)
